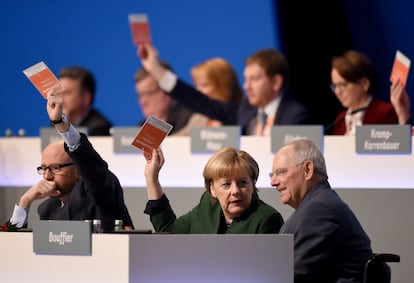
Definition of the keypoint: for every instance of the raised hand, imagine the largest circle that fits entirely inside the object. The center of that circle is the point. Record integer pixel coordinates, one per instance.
(150, 61)
(400, 100)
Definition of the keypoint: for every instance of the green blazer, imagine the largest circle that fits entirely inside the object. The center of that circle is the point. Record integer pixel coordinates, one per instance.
(207, 218)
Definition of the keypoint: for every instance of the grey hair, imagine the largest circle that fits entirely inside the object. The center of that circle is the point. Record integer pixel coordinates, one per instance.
(304, 149)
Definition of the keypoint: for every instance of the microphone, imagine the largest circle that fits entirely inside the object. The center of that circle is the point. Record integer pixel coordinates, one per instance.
(353, 112)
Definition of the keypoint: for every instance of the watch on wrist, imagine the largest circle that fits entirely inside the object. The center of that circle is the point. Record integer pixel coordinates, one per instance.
(62, 119)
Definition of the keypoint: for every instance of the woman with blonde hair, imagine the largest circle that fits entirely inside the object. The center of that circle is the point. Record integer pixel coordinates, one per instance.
(229, 205)
(217, 79)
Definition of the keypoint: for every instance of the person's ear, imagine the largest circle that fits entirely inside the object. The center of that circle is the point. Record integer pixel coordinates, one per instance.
(87, 98)
(277, 82)
(213, 190)
(365, 82)
(308, 169)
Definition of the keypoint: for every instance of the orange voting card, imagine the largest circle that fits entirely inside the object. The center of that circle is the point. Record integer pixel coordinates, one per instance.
(140, 30)
(151, 135)
(43, 79)
(400, 68)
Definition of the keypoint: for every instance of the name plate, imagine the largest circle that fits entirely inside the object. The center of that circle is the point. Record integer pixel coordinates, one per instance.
(62, 237)
(282, 134)
(123, 137)
(50, 135)
(207, 140)
(391, 139)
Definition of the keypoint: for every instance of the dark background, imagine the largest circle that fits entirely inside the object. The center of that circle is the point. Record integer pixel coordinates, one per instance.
(96, 34)
(312, 32)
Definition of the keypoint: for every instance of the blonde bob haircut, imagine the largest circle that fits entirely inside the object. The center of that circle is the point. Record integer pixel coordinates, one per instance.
(229, 162)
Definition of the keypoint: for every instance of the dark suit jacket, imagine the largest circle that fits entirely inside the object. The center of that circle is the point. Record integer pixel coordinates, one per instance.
(290, 111)
(97, 195)
(96, 123)
(330, 245)
(378, 112)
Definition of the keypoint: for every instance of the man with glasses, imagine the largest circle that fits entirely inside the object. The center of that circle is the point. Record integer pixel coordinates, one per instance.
(330, 244)
(154, 101)
(267, 102)
(77, 184)
(355, 84)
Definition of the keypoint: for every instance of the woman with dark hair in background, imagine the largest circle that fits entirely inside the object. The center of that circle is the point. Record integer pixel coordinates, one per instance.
(355, 84)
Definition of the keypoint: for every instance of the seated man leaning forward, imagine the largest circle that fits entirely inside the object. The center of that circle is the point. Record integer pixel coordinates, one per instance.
(76, 184)
(230, 204)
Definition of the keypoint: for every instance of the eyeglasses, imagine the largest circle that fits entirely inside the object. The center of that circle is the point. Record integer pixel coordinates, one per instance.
(282, 171)
(149, 93)
(53, 168)
(339, 86)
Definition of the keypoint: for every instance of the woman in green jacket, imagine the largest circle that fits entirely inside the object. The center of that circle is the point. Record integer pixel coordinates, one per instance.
(230, 203)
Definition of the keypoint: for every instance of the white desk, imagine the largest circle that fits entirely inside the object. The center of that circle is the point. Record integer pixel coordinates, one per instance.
(20, 156)
(153, 258)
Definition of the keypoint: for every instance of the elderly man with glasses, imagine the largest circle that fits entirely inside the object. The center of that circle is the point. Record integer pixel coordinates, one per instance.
(77, 184)
(330, 244)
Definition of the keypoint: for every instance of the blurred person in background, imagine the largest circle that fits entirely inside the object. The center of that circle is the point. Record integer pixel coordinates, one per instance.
(155, 101)
(217, 79)
(355, 83)
(78, 95)
(267, 102)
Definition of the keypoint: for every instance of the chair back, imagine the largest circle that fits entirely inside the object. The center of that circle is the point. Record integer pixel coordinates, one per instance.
(377, 270)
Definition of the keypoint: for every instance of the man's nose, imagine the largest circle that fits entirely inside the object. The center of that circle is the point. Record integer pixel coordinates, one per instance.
(48, 175)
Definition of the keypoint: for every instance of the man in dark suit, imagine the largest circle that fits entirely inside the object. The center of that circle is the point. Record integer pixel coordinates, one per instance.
(267, 102)
(77, 183)
(330, 245)
(79, 95)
